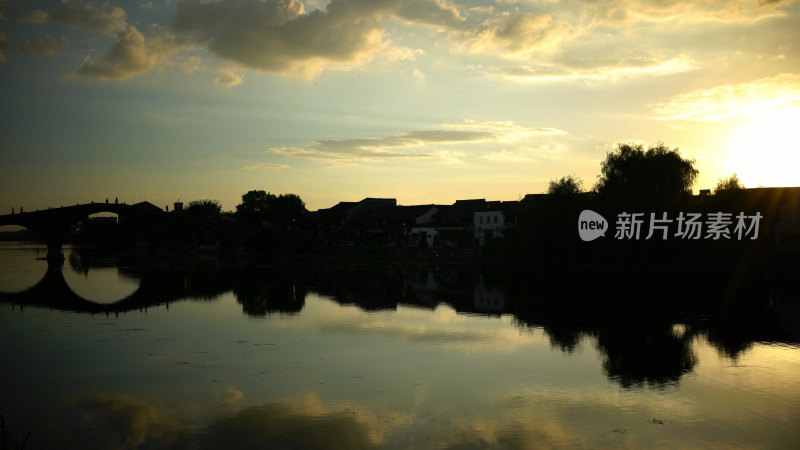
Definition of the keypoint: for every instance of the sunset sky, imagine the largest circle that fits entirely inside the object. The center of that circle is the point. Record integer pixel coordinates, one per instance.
(426, 101)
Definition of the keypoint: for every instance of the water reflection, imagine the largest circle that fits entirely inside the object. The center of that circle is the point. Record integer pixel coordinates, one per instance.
(23, 271)
(630, 317)
(401, 357)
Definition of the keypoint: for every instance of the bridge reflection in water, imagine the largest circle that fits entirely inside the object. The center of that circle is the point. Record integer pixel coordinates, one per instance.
(643, 323)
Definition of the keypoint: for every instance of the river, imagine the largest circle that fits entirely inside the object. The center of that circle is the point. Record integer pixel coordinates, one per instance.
(110, 352)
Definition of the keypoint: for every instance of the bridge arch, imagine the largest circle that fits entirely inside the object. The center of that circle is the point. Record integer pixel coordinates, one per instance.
(161, 229)
(54, 224)
(107, 228)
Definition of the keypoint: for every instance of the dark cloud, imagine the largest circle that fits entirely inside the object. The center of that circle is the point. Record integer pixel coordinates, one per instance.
(294, 423)
(133, 421)
(84, 17)
(5, 44)
(416, 144)
(277, 35)
(280, 425)
(43, 46)
(431, 13)
(529, 31)
(402, 146)
(280, 36)
(133, 54)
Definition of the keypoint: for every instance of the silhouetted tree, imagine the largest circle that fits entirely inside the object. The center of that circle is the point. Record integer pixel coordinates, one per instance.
(655, 175)
(568, 185)
(204, 208)
(728, 184)
(287, 209)
(255, 206)
(261, 206)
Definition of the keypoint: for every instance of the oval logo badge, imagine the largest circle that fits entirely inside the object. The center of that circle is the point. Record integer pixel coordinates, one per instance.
(591, 225)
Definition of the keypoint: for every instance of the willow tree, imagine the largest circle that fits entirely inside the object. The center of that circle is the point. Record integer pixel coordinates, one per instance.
(656, 175)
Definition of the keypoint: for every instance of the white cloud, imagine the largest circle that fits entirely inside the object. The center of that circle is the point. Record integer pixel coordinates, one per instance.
(402, 53)
(597, 69)
(264, 166)
(418, 74)
(191, 64)
(626, 12)
(229, 78)
(732, 100)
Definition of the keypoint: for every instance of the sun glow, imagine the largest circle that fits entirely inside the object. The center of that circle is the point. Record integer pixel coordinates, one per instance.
(766, 152)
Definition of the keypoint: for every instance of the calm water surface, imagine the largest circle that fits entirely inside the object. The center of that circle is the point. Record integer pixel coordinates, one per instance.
(105, 354)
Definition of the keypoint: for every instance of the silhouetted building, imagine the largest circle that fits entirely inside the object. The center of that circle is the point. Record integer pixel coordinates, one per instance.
(392, 225)
(147, 206)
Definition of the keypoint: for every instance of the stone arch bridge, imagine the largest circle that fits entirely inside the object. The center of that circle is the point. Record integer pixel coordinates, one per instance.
(159, 229)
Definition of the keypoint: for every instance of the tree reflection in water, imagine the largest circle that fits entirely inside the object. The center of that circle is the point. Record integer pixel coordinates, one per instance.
(630, 315)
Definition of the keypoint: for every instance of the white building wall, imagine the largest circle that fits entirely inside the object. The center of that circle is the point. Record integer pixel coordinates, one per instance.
(488, 224)
(430, 234)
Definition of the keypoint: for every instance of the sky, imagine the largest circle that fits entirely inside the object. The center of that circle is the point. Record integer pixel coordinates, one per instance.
(425, 101)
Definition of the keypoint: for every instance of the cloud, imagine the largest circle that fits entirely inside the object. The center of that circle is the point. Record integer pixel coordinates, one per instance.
(264, 166)
(530, 32)
(191, 64)
(597, 69)
(402, 53)
(281, 36)
(133, 54)
(516, 36)
(430, 12)
(415, 144)
(43, 46)
(625, 13)
(504, 131)
(134, 421)
(5, 44)
(229, 78)
(278, 35)
(732, 100)
(301, 421)
(230, 396)
(418, 74)
(3, 4)
(356, 150)
(84, 17)
(383, 148)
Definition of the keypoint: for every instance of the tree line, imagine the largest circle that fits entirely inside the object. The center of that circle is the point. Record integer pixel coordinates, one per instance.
(257, 206)
(654, 175)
